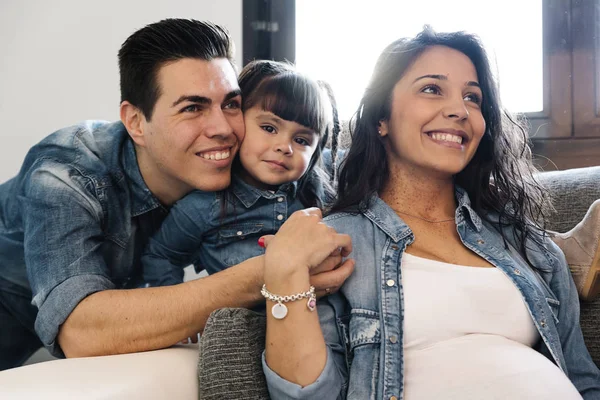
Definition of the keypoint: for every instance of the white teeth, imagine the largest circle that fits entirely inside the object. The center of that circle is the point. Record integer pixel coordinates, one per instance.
(215, 156)
(446, 137)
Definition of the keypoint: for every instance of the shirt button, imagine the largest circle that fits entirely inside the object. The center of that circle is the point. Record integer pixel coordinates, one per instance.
(517, 272)
(393, 398)
(543, 323)
(240, 233)
(280, 217)
(390, 282)
(280, 199)
(394, 247)
(480, 241)
(393, 339)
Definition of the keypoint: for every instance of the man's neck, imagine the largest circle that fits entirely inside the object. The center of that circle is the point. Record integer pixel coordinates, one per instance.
(166, 189)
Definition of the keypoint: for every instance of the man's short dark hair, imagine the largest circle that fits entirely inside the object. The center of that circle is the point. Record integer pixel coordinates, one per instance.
(148, 49)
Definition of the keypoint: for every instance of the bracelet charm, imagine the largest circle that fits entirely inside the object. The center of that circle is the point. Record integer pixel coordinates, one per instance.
(279, 310)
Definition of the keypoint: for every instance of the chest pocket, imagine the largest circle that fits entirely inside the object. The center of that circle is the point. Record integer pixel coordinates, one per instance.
(364, 343)
(237, 243)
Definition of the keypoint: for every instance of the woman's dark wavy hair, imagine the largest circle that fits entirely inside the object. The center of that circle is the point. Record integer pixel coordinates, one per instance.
(499, 178)
(277, 87)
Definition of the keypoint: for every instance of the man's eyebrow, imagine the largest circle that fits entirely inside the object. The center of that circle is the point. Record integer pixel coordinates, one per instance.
(205, 100)
(445, 78)
(192, 99)
(232, 94)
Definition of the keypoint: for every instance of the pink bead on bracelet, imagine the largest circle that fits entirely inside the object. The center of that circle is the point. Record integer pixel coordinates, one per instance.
(279, 310)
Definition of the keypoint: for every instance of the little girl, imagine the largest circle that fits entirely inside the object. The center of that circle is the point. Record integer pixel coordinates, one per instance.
(288, 119)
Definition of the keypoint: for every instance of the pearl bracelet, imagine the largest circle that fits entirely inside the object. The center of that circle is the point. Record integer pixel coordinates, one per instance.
(279, 310)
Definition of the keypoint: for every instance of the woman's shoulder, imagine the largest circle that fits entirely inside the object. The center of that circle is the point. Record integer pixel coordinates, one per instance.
(346, 220)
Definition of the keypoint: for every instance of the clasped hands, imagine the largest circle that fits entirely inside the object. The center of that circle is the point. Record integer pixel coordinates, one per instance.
(306, 249)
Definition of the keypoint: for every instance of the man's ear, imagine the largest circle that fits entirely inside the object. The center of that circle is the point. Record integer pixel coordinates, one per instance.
(133, 119)
(383, 128)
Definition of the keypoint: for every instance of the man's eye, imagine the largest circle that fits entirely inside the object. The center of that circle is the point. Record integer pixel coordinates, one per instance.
(233, 105)
(191, 108)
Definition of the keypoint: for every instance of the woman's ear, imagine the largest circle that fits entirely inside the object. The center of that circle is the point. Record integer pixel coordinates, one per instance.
(133, 119)
(382, 128)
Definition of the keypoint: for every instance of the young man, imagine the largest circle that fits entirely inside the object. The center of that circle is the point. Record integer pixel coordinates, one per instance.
(75, 219)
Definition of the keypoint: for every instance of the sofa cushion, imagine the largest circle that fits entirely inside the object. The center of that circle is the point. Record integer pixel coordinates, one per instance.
(231, 347)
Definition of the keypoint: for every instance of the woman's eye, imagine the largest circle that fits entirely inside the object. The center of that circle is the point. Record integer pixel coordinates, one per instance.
(431, 89)
(473, 97)
(268, 128)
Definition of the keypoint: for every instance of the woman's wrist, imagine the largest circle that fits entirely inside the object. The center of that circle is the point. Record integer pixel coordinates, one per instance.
(287, 280)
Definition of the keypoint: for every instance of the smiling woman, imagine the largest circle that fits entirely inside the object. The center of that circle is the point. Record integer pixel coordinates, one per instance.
(437, 194)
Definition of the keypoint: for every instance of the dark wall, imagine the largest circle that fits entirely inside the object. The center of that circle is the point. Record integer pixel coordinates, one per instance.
(269, 30)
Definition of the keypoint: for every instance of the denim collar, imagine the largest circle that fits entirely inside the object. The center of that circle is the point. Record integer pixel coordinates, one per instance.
(249, 194)
(142, 198)
(388, 221)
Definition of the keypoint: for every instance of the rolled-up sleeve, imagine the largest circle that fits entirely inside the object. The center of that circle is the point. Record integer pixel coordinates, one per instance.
(63, 235)
(327, 386)
(332, 382)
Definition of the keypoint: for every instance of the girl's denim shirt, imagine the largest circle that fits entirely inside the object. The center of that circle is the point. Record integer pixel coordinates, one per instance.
(363, 323)
(198, 232)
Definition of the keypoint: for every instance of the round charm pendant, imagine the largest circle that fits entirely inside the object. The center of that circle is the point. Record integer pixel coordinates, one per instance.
(279, 311)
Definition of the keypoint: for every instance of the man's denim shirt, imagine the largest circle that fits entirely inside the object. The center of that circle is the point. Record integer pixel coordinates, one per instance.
(364, 332)
(74, 221)
(200, 231)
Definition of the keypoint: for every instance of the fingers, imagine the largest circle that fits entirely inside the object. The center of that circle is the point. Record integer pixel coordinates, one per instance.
(311, 211)
(330, 263)
(304, 242)
(332, 279)
(191, 339)
(263, 241)
(344, 244)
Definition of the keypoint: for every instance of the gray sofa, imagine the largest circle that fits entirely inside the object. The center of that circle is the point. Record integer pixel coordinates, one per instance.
(233, 340)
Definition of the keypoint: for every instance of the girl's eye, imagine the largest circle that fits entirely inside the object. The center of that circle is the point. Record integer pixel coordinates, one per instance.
(473, 97)
(268, 128)
(431, 89)
(301, 141)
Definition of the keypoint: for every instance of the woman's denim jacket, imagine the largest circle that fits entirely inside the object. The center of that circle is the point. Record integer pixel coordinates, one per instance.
(363, 324)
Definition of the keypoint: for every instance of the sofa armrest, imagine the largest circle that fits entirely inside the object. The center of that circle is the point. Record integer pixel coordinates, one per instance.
(161, 374)
(230, 365)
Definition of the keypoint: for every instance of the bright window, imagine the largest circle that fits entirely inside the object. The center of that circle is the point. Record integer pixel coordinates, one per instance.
(339, 41)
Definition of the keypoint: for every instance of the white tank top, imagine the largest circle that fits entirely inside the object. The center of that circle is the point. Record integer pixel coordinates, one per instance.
(468, 335)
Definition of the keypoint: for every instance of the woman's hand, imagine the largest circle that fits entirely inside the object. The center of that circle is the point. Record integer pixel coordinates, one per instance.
(305, 246)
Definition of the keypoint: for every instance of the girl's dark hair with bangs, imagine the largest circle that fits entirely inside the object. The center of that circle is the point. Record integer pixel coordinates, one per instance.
(499, 178)
(278, 88)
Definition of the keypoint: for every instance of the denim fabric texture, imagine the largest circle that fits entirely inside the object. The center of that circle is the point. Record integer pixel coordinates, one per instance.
(362, 324)
(74, 221)
(216, 230)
